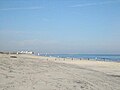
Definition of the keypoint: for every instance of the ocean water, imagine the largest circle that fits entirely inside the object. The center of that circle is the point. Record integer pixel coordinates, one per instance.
(99, 57)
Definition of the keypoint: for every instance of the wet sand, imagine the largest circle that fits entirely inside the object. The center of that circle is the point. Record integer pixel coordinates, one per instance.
(29, 72)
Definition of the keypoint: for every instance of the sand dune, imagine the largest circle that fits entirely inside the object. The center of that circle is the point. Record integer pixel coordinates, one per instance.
(28, 72)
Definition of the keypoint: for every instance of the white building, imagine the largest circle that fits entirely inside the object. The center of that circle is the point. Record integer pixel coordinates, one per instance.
(25, 52)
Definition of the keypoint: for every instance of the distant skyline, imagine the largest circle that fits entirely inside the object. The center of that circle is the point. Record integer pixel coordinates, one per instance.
(60, 26)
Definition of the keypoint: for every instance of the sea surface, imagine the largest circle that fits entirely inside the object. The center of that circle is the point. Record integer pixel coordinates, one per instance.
(99, 57)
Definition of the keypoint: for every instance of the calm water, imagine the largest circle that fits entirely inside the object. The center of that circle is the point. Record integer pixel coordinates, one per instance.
(101, 57)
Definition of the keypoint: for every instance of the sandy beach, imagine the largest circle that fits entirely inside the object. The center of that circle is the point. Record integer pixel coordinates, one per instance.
(29, 72)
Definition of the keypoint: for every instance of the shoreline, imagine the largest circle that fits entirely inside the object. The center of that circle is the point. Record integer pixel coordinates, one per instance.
(96, 57)
(89, 59)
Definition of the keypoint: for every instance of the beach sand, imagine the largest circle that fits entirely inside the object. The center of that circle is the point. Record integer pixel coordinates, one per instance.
(29, 72)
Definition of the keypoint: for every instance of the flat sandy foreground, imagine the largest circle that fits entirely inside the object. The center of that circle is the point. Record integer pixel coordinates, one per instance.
(28, 72)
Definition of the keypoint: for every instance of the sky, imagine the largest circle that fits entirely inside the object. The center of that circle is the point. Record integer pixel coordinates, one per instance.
(60, 26)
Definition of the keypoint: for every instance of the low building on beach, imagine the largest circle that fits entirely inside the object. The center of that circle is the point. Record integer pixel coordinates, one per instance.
(25, 52)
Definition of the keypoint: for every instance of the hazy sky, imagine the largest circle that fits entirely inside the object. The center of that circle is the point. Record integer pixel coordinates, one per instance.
(60, 26)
